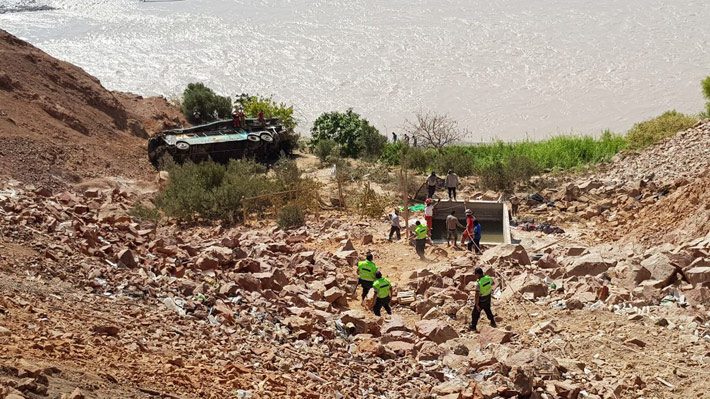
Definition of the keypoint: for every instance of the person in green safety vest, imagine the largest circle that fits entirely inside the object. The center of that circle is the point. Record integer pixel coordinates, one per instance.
(366, 270)
(420, 237)
(383, 289)
(484, 288)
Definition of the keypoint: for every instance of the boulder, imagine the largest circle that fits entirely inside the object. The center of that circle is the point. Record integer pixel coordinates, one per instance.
(435, 330)
(248, 282)
(491, 335)
(525, 283)
(366, 239)
(575, 251)
(371, 347)
(128, 258)
(364, 322)
(508, 253)
(401, 348)
(206, 262)
(661, 269)
(589, 265)
(428, 350)
(547, 261)
(698, 275)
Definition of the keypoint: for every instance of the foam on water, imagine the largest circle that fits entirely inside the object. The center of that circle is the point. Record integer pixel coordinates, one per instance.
(504, 68)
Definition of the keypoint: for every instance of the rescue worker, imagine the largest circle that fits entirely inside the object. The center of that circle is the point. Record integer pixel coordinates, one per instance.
(429, 214)
(420, 237)
(476, 238)
(383, 289)
(366, 270)
(484, 288)
(468, 232)
(451, 182)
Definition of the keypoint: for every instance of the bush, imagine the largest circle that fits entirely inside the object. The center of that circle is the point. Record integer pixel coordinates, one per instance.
(291, 216)
(252, 105)
(392, 153)
(502, 176)
(649, 132)
(144, 212)
(420, 160)
(371, 142)
(459, 161)
(200, 104)
(347, 129)
(706, 93)
(214, 191)
(324, 149)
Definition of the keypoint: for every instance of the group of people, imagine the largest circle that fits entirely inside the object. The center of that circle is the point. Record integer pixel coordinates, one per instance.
(240, 119)
(405, 140)
(451, 182)
(369, 277)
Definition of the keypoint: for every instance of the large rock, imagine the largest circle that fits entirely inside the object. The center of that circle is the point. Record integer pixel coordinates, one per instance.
(525, 283)
(506, 252)
(659, 265)
(435, 330)
(248, 282)
(206, 262)
(401, 348)
(364, 322)
(490, 335)
(128, 258)
(698, 275)
(589, 265)
(427, 350)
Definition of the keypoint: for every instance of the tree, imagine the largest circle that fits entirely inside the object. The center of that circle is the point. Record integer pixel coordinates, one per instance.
(201, 104)
(434, 130)
(354, 134)
(253, 104)
(706, 92)
(371, 142)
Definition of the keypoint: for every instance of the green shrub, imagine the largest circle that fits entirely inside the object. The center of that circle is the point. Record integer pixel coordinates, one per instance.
(347, 129)
(460, 162)
(649, 132)
(706, 93)
(420, 160)
(391, 153)
(291, 216)
(201, 104)
(495, 177)
(144, 212)
(371, 142)
(324, 149)
(253, 104)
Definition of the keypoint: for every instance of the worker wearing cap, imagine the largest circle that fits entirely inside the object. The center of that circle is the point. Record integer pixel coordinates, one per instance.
(484, 288)
(431, 183)
(420, 237)
(366, 270)
(383, 289)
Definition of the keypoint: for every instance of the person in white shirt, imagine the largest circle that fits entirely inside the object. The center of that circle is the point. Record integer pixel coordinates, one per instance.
(395, 225)
(452, 182)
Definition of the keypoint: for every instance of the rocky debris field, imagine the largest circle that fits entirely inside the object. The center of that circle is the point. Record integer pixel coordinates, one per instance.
(97, 305)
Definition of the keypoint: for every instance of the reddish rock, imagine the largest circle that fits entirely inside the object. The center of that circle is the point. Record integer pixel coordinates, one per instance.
(490, 335)
(401, 348)
(366, 239)
(428, 350)
(698, 275)
(206, 262)
(661, 269)
(589, 265)
(371, 347)
(248, 282)
(248, 265)
(506, 253)
(228, 289)
(128, 258)
(435, 330)
(296, 323)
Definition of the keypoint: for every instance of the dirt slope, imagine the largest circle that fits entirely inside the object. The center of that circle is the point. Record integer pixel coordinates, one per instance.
(59, 125)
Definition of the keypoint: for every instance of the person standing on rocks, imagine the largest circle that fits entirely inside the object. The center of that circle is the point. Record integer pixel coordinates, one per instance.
(429, 214)
(420, 237)
(467, 236)
(366, 270)
(452, 181)
(452, 225)
(476, 243)
(484, 288)
(396, 227)
(514, 205)
(383, 290)
(431, 182)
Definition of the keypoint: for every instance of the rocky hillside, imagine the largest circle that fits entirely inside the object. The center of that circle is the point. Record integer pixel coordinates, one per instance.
(58, 124)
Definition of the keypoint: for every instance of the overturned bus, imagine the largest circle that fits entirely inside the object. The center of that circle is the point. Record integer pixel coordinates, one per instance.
(223, 140)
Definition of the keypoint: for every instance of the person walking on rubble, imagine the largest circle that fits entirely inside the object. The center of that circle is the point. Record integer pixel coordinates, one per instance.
(395, 227)
(429, 214)
(420, 237)
(366, 270)
(452, 225)
(484, 288)
(383, 290)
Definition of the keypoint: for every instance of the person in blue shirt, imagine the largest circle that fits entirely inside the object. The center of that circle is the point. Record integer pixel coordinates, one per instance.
(476, 243)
